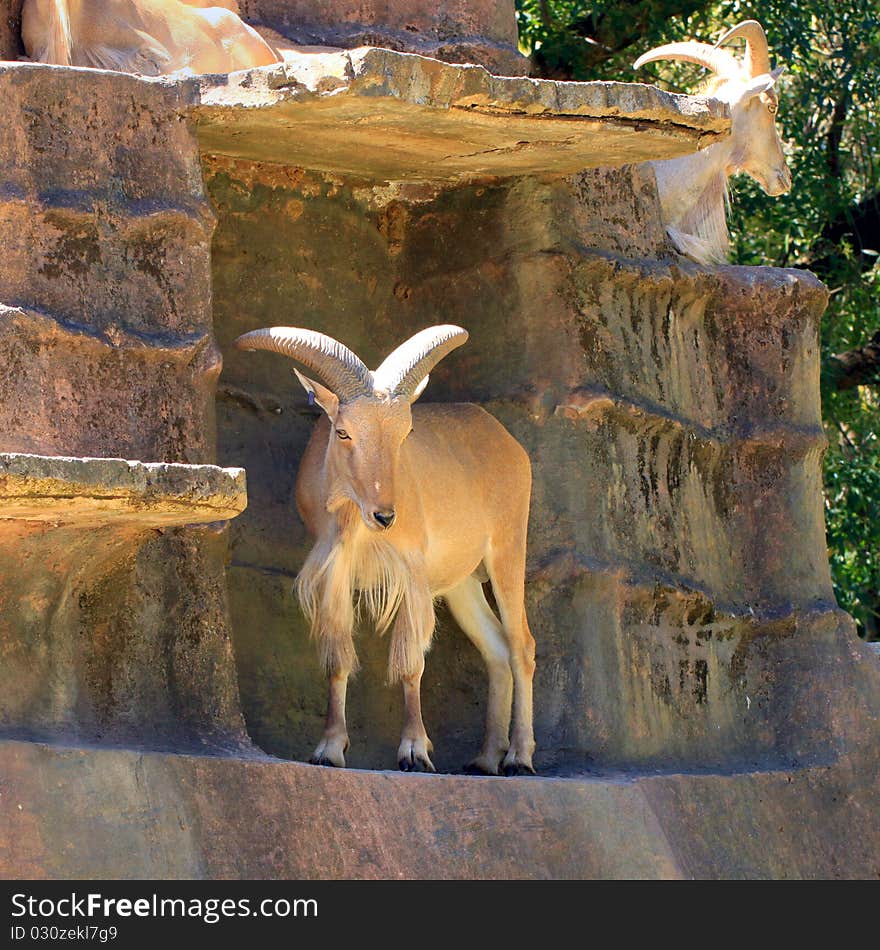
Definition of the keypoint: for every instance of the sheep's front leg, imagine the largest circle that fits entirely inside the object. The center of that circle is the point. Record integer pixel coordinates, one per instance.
(327, 598)
(413, 753)
(410, 639)
(334, 742)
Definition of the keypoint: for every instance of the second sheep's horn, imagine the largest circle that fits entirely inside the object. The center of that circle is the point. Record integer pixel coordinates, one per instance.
(757, 51)
(720, 61)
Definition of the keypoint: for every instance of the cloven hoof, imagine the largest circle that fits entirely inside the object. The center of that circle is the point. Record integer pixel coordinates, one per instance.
(416, 765)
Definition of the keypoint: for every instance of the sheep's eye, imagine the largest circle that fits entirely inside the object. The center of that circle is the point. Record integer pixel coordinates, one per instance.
(771, 109)
(342, 434)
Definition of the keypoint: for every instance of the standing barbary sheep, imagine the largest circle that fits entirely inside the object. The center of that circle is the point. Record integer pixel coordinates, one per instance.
(407, 504)
(693, 189)
(149, 37)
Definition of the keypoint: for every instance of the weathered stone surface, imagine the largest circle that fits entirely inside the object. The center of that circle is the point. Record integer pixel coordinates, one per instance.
(85, 492)
(61, 386)
(116, 814)
(677, 575)
(369, 113)
(116, 634)
(381, 115)
(457, 31)
(114, 621)
(106, 276)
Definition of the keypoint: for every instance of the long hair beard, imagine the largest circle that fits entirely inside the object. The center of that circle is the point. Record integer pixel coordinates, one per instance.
(353, 572)
(703, 233)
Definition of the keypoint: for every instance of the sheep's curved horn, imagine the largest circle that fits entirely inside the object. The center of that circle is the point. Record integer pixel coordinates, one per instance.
(401, 372)
(720, 61)
(757, 52)
(338, 368)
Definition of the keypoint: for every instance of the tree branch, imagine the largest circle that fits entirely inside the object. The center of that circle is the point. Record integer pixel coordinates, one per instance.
(589, 41)
(628, 21)
(860, 223)
(858, 367)
(835, 135)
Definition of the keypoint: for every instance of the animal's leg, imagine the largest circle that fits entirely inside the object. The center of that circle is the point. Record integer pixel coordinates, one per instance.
(324, 589)
(413, 753)
(334, 742)
(506, 565)
(243, 46)
(410, 640)
(467, 604)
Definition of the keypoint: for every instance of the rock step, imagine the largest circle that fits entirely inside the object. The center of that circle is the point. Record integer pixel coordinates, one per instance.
(124, 814)
(116, 334)
(89, 491)
(378, 114)
(594, 406)
(62, 389)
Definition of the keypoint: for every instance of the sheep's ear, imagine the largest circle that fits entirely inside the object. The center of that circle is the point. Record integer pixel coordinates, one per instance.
(326, 399)
(777, 73)
(756, 86)
(420, 388)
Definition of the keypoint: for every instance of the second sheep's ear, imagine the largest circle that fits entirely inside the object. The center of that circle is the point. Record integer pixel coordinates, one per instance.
(324, 397)
(756, 86)
(419, 389)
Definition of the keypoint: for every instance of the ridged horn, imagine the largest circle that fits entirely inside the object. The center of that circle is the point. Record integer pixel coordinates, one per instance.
(757, 52)
(402, 371)
(335, 364)
(720, 61)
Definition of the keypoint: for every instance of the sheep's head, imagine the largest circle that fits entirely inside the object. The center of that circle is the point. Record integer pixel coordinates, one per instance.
(370, 412)
(748, 87)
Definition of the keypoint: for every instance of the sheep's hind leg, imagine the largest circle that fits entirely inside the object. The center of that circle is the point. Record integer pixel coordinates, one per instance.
(334, 742)
(506, 566)
(467, 604)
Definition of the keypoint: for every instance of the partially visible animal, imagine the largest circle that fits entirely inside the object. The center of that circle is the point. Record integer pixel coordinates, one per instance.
(693, 189)
(149, 37)
(407, 504)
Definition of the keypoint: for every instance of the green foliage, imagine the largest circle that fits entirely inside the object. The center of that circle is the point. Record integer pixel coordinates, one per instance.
(593, 39)
(830, 120)
(852, 489)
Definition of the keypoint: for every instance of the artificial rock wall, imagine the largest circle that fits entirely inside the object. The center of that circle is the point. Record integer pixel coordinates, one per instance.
(677, 581)
(678, 587)
(677, 575)
(116, 628)
(456, 31)
(114, 621)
